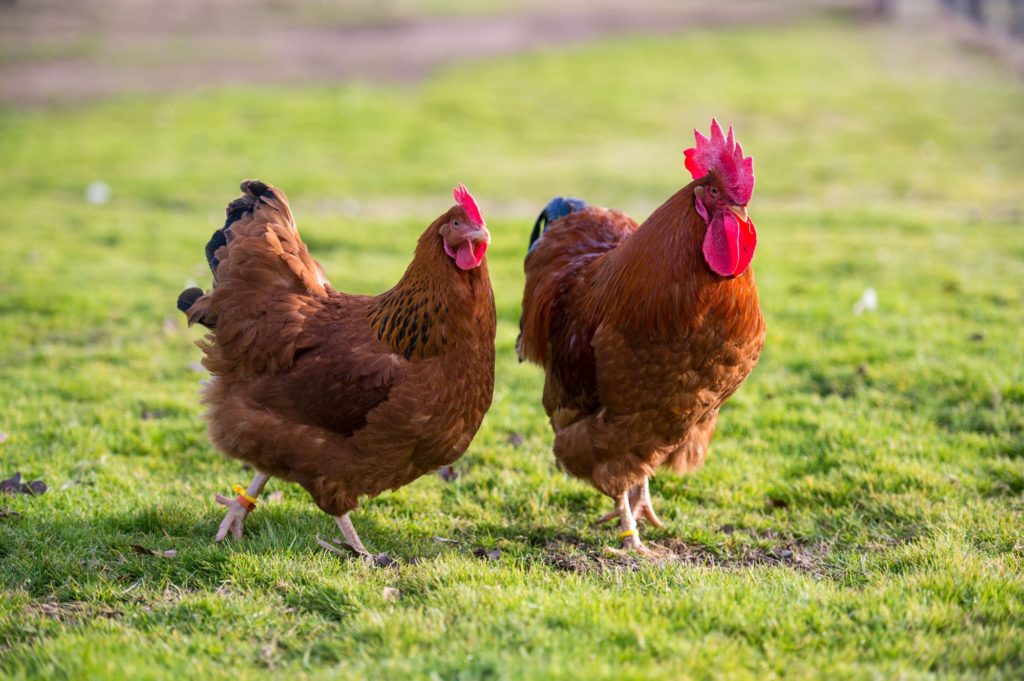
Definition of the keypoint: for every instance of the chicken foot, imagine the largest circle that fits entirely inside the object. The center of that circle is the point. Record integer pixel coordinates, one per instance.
(640, 503)
(348, 530)
(235, 517)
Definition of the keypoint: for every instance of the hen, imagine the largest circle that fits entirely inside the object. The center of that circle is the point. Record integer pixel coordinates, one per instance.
(347, 395)
(644, 331)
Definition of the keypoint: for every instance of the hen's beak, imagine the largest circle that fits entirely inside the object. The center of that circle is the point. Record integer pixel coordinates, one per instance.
(478, 236)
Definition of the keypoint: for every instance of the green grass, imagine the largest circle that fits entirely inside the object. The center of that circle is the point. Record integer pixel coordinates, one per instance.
(860, 512)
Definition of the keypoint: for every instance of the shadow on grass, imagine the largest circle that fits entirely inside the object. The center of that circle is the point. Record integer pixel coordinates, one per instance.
(53, 557)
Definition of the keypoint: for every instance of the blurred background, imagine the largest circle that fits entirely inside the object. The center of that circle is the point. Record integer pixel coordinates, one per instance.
(367, 110)
(882, 432)
(62, 50)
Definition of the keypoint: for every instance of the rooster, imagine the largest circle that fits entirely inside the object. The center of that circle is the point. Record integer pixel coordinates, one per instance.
(644, 331)
(346, 395)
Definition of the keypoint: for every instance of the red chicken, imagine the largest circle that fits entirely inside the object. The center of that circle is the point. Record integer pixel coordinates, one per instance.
(645, 331)
(346, 395)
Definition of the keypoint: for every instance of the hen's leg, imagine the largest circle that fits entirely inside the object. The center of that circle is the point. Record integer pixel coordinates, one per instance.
(237, 513)
(351, 536)
(640, 503)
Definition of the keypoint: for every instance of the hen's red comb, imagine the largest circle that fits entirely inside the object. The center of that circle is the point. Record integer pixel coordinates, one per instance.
(724, 155)
(468, 204)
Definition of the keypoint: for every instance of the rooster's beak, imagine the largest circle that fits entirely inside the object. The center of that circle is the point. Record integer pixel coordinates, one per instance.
(741, 213)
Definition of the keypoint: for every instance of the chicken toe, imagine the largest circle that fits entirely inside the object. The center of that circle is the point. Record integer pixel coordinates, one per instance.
(234, 519)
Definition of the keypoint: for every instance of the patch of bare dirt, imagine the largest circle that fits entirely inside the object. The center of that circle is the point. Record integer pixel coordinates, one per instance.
(572, 555)
(54, 51)
(791, 553)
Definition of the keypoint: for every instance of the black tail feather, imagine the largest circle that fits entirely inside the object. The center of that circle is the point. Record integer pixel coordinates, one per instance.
(557, 208)
(542, 221)
(216, 241)
(252, 191)
(188, 297)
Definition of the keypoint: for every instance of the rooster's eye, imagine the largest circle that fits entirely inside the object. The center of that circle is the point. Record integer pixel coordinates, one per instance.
(713, 191)
(456, 224)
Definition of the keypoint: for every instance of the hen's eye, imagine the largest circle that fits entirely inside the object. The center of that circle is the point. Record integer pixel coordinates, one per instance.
(713, 191)
(456, 224)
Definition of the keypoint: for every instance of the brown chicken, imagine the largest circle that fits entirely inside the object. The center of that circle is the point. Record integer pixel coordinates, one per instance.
(346, 395)
(644, 331)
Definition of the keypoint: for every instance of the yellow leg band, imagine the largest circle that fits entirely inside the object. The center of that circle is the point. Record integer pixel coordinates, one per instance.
(627, 533)
(240, 491)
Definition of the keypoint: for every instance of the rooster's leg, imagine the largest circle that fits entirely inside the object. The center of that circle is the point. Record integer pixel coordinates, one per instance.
(643, 506)
(640, 503)
(237, 513)
(351, 536)
(627, 524)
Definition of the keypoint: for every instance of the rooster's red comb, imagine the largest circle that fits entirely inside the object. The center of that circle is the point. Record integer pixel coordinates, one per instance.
(724, 155)
(468, 204)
